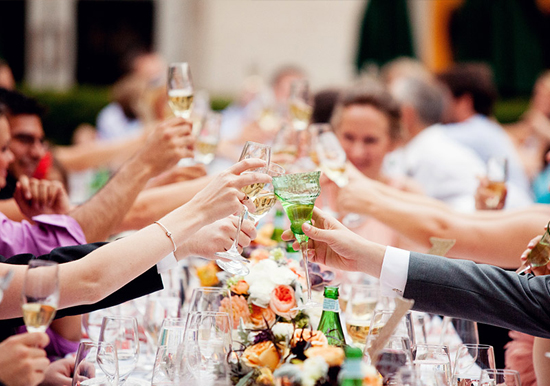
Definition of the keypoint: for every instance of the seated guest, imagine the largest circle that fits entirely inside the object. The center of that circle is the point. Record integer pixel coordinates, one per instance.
(473, 94)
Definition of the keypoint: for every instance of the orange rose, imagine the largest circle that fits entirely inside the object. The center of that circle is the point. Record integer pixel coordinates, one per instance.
(258, 314)
(316, 338)
(334, 356)
(240, 288)
(282, 301)
(262, 354)
(238, 307)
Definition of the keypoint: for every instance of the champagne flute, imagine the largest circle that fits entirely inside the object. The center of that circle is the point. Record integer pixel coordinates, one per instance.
(539, 256)
(265, 200)
(236, 266)
(180, 89)
(300, 104)
(40, 296)
(122, 333)
(497, 174)
(297, 193)
(208, 138)
(359, 310)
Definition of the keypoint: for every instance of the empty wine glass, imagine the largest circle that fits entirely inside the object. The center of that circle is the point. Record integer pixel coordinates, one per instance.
(165, 368)
(96, 363)
(40, 296)
(298, 193)
(300, 104)
(158, 308)
(122, 333)
(180, 89)
(379, 319)
(500, 378)
(235, 265)
(171, 332)
(470, 360)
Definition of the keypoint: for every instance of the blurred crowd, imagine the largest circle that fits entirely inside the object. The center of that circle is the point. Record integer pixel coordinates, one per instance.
(419, 150)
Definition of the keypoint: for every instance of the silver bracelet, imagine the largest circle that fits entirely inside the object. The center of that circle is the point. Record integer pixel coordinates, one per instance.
(169, 234)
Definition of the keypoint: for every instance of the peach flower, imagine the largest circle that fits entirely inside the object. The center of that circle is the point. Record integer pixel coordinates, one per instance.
(283, 300)
(334, 356)
(258, 314)
(238, 307)
(266, 377)
(316, 338)
(263, 354)
(259, 254)
(240, 288)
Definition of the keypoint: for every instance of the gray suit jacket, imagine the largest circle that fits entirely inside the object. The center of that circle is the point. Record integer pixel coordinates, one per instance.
(480, 292)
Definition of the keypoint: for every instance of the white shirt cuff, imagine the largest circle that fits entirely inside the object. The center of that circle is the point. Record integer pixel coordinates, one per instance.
(395, 268)
(167, 263)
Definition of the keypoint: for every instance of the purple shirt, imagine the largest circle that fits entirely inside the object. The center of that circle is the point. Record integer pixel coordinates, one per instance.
(51, 231)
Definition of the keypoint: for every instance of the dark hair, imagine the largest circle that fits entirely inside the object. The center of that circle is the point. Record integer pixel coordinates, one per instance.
(475, 79)
(324, 103)
(373, 94)
(19, 104)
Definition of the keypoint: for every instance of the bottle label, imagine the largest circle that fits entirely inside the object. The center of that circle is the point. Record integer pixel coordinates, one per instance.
(353, 369)
(331, 305)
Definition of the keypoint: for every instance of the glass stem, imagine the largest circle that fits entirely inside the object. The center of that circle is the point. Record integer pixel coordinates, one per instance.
(239, 224)
(303, 249)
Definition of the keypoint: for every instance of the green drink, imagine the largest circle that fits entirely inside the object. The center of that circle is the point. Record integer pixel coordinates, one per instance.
(298, 214)
(297, 193)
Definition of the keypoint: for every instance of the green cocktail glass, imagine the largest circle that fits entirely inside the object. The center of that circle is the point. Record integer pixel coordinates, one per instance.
(297, 193)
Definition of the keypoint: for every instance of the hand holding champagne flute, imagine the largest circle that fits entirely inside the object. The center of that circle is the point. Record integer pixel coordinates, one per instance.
(40, 297)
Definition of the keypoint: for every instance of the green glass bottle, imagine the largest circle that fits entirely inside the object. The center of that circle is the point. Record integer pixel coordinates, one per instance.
(352, 372)
(330, 318)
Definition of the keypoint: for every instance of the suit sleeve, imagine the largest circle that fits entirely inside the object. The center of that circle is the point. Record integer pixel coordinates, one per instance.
(479, 292)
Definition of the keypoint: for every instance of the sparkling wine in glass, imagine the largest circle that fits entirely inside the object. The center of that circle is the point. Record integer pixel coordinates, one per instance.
(40, 296)
(539, 255)
(180, 89)
(297, 193)
(208, 138)
(359, 310)
(265, 199)
(236, 264)
(300, 104)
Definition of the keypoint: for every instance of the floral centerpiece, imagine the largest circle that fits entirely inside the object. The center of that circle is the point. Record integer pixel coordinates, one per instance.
(271, 338)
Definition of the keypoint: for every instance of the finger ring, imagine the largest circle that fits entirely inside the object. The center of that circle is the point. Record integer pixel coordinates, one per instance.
(246, 198)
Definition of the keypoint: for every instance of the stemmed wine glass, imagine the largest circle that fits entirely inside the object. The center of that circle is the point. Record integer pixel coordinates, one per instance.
(297, 193)
(500, 378)
(250, 150)
(180, 89)
(122, 333)
(300, 105)
(96, 363)
(470, 360)
(207, 138)
(539, 255)
(40, 297)
(265, 200)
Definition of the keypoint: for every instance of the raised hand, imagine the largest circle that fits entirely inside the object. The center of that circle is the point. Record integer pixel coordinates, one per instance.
(334, 245)
(59, 373)
(36, 197)
(538, 271)
(223, 195)
(169, 141)
(219, 236)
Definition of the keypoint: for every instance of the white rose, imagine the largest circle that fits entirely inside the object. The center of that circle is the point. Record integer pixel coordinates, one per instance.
(260, 292)
(314, 368)
(283, 330)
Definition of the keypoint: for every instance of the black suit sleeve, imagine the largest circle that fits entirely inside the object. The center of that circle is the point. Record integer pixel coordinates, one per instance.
(148, 282)
(479, 292)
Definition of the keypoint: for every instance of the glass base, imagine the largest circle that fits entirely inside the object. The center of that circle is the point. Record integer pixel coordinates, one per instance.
(234, 267)
(307, 305)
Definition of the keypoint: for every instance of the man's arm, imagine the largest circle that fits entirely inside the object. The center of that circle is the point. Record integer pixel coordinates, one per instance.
(99, 216)
(483, 293)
